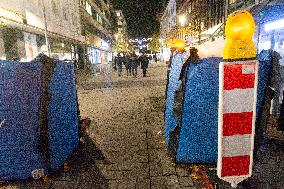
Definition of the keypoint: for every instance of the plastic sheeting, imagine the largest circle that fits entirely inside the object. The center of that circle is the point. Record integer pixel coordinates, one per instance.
(20, 85)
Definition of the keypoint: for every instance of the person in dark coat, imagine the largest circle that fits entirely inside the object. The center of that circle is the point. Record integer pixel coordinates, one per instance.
(118, 63)
(144, 61)
(134, 64)
(128, 64)
(155, 58)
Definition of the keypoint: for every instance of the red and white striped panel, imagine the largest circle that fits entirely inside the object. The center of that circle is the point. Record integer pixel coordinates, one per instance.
(237, 107)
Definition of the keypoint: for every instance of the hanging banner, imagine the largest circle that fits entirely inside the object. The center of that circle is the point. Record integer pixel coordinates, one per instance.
(238, 82)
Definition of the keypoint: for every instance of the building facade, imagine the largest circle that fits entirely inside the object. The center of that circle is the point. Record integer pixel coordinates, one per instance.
(23, 25)
(98, 21)
(121, 36)
(169, 19)
(201, 23)
(167, 25)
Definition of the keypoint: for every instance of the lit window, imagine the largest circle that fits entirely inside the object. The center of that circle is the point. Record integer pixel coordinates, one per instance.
(88, 8)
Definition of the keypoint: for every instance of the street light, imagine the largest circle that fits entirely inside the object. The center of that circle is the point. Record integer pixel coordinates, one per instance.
(182, 20)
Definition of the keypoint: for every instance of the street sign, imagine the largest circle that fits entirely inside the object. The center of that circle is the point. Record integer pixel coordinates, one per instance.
(236, 119)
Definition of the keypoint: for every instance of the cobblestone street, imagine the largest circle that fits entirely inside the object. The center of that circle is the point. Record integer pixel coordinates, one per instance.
(128, 129)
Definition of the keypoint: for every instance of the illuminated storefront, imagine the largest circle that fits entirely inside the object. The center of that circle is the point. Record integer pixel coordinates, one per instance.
(271, 28)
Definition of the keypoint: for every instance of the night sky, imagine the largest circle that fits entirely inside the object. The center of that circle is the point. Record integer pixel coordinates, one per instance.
(141, 15)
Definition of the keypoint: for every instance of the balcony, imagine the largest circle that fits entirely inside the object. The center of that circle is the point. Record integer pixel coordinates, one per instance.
(88, 18)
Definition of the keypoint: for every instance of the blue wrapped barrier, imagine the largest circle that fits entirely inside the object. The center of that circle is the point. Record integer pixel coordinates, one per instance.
(62, 114)
(19, 115)
(199, 131)
(198, 136)
(20, 99)
(172, 85)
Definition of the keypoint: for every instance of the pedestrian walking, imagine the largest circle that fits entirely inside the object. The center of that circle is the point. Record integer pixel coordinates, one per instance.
(134, 64)
(144, 61)
(155, 58)
(128, 64)
(118, 63)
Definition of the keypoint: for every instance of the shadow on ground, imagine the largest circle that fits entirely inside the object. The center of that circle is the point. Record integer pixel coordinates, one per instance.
(80, 172)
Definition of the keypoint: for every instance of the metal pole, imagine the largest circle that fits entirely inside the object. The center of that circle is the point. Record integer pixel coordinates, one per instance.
(45, 31)
(226, 10)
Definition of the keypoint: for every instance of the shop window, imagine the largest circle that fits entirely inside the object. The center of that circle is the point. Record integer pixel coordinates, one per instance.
(99, 19)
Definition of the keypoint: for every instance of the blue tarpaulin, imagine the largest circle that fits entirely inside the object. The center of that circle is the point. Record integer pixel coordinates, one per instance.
(20, 91)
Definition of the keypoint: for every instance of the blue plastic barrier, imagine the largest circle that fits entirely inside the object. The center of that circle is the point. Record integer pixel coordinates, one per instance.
(62, 114)
(20, 90)
(199, 131)
(170, 120)
(199, 126)
(19, 115)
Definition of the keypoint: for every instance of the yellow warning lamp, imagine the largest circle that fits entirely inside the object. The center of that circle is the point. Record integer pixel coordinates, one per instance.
(179, 45)
(239, 31)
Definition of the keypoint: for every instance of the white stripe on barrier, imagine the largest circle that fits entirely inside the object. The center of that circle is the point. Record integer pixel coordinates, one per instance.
(238, 100)
(236, 145)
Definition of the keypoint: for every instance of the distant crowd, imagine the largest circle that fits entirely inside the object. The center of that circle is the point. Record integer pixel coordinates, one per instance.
(131, 62)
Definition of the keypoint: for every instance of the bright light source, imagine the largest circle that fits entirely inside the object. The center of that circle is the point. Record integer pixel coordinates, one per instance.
(274, 25)
(182, 20)
(105, 45)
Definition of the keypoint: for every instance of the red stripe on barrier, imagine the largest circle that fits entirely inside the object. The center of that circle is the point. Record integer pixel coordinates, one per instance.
(237, 123)
(235, 166)
(235, 79)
